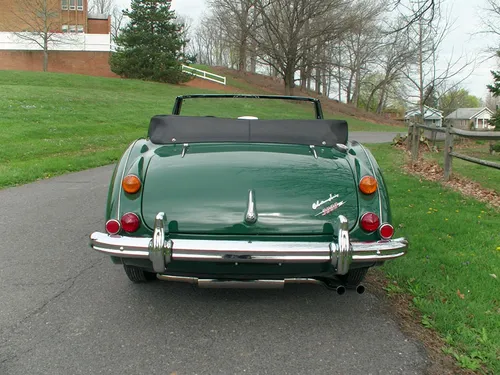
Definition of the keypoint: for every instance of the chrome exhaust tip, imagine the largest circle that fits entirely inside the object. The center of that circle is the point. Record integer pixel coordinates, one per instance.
(340, 290)
(360, 289)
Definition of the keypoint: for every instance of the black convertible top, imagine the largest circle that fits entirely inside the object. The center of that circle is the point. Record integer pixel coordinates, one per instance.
(168, 129)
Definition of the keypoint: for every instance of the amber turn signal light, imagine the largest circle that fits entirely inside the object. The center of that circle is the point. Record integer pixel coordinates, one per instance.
(131, 184)
(368, 185)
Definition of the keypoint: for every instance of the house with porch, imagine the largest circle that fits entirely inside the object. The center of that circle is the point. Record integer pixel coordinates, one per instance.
(470, 118)
(432, 116)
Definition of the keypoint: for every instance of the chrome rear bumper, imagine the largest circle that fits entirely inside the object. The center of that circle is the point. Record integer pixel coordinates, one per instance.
(161, 251)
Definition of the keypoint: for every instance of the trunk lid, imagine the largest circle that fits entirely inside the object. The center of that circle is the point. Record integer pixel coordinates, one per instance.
(207, 190)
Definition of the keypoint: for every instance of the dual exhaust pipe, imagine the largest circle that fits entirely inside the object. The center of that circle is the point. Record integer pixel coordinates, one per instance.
(254, 284)
(341, 289)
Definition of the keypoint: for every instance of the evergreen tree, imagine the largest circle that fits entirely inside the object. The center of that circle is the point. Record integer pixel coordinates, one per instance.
(495, 90)
(150, 47)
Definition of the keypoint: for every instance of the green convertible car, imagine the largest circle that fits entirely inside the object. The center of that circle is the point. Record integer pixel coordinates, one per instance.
(238, 200)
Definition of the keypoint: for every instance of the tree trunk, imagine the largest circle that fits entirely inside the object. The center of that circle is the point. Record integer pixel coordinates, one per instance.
(303, 77)
(289, 81)
(242, 55)
(348, 89)
(253, 62)
(326, 84)
(381, 102)
(421, 74)
(372, 94)
(370, 98)
(45, 55)
(318, 81)
(357, 87)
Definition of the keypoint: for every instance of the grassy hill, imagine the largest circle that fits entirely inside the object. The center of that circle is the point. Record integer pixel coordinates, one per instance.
(262, 84)
(52, 123)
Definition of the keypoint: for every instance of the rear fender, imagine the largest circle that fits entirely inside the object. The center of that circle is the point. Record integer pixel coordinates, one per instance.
(131, 162)
(365, 164)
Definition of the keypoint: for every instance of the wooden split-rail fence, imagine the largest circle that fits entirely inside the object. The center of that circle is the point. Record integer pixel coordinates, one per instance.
(449, 153)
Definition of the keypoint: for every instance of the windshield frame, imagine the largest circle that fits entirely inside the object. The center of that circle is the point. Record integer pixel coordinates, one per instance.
(179, 100)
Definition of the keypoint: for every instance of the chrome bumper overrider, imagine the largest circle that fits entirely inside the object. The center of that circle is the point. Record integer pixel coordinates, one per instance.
(162, 251)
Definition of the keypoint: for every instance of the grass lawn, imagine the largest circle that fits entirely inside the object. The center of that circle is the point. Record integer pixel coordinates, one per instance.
(488, 177)
(452, 269)
(55, 123)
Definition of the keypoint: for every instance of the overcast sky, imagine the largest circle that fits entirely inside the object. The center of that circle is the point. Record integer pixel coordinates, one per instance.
(461, 41)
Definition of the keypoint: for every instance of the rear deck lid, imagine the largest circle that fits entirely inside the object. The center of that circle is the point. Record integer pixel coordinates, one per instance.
(214, 186)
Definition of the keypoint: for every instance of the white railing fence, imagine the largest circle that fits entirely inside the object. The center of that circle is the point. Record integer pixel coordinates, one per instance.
(204, 74)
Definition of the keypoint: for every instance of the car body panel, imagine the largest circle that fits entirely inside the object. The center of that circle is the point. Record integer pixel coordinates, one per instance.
(207, 190)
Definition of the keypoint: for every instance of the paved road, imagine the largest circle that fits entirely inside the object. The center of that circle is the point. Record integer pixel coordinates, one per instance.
(373, 137)
(65, 309)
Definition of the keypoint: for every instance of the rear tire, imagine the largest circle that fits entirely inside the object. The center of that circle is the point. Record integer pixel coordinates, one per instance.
(138, 275)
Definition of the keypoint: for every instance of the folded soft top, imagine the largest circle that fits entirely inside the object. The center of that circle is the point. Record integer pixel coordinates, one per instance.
(167, 129)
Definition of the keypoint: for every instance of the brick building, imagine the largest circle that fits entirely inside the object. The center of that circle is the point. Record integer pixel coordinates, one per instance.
(79, 42)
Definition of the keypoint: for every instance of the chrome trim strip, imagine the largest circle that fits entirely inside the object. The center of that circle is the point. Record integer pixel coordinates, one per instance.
(159, 253)
(118, 204)
(313, 149)
(378, 184)
(251, 258)
(376, 257)
(249, 252)
(184, 149)
(342, 147)
(162, 251)
(120, 251)
(341, 256)
(251, 215)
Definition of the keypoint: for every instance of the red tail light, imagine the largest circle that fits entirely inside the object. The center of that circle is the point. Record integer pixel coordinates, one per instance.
(113, 226)
(386, 231)
(370, 222)
(130, 222)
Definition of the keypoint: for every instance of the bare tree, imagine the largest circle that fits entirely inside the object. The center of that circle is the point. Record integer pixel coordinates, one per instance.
(491, 25)
(41, 23)
(362, 43)
(237, 19)
(118, 21)
(492, 102)
(432, 76)
(185, 23)
(282, 36)
(208, 43)
(424, 11)
(101, 6)
(397, 53)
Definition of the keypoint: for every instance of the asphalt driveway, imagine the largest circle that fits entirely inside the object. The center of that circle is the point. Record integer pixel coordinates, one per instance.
(373, 137)
(66, 309)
